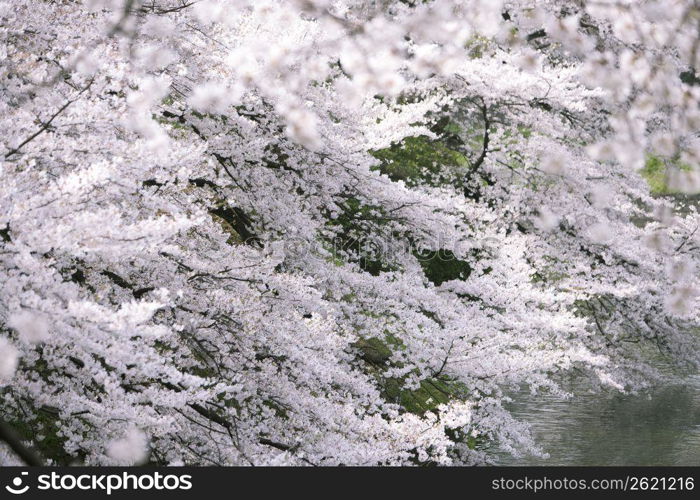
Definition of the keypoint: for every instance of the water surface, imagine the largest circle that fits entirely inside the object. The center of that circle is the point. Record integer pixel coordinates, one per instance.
(658, 427)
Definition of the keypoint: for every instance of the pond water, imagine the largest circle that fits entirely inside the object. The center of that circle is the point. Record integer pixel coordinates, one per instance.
(658, 427)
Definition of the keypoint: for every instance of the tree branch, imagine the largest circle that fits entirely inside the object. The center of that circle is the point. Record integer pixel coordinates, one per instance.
(47, 124)
(485, 143)
(14, 441)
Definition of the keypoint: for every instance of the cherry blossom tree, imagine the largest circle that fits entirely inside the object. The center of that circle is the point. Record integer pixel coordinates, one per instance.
(336, 232)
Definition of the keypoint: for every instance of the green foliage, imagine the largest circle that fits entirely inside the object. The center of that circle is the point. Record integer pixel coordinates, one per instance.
(656, 170)
(352, 224)
(373, 350)
(420, 160)
(548, 274)
(431, 393)
(442, 265)
(43, 431)
(478, 45)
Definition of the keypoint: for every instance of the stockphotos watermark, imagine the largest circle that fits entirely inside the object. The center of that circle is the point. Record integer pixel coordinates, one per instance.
(107, 483)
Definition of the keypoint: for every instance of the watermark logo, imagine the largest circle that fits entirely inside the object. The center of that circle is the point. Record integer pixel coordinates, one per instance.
(16, 488)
